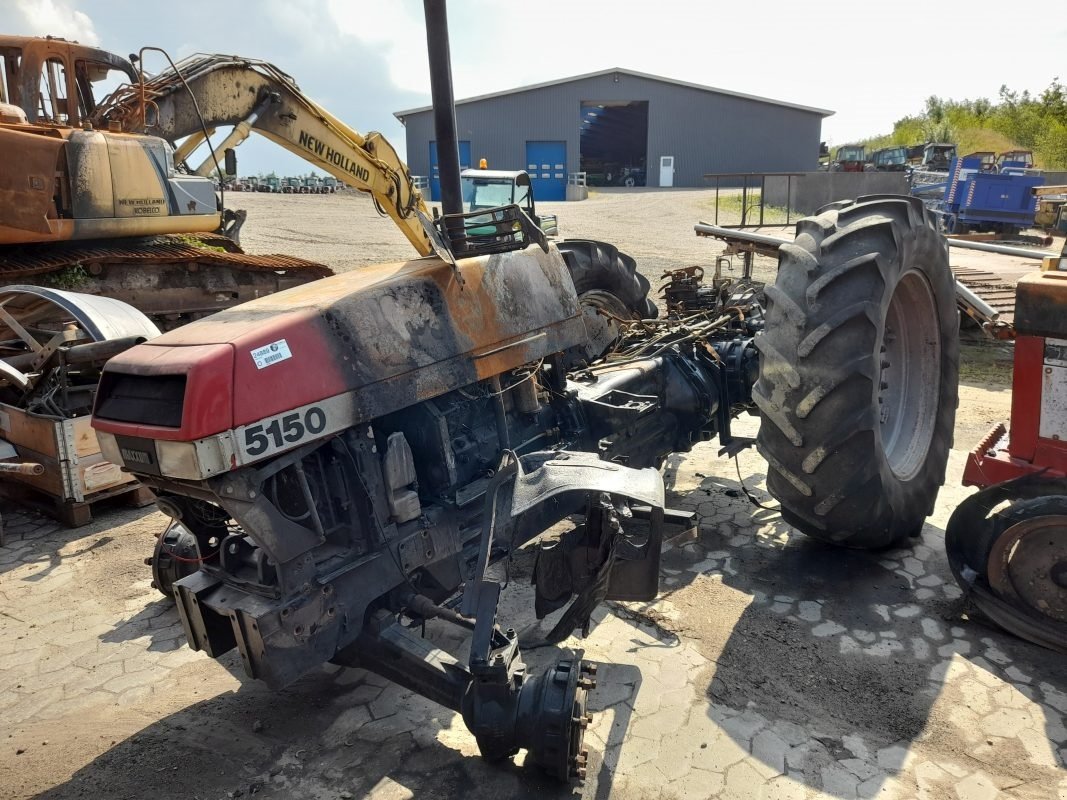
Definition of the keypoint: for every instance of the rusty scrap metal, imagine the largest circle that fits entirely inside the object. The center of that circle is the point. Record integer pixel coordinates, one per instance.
(21, 468)
(31, 260)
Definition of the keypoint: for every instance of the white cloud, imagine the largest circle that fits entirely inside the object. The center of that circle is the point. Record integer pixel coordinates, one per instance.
(396, 30)
(870, 67)
(55, 18)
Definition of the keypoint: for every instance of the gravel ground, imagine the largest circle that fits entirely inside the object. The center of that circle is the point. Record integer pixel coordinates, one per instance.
(344, 231)
(770, 666)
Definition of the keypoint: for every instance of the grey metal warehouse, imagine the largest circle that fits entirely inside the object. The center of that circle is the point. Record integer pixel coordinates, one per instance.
(621, 127)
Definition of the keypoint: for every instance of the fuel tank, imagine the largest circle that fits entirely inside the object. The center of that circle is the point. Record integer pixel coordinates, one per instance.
(270, 375)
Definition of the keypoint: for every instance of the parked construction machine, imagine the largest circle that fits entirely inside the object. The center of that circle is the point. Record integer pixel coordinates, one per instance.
(850, 158)
(92, 204)
(931, 156)
(969, 198)
(491, 188)
(1007, 544)
(346, 459)
(98, 194)
(888, 159)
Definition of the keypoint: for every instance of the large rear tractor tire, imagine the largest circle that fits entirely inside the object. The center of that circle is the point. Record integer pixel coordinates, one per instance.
(602, 267)
(858, 372)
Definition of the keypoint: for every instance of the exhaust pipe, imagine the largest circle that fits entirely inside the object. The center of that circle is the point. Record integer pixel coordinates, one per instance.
(444, 119)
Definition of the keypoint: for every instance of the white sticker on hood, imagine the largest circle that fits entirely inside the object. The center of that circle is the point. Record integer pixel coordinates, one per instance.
(271, 353)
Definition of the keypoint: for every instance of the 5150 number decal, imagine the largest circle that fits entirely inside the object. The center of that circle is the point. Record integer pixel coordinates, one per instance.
(283, 430)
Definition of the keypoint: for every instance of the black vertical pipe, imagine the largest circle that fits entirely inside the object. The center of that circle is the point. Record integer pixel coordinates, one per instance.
(444, 108)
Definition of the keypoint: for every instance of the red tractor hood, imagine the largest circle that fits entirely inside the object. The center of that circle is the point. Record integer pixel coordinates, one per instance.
(375, 340)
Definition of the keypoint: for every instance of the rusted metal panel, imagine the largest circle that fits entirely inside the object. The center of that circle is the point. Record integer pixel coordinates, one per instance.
(388, 336)
(1041, 303)
(32, 260)
(28, 163)
(165, 277)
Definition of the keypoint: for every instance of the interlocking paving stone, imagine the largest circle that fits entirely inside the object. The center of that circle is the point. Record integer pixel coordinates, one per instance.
(668, 719)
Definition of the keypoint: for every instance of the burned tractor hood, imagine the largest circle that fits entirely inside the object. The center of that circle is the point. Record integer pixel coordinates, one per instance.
(371, 341)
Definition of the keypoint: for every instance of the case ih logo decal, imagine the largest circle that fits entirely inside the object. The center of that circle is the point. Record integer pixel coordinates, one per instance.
(131, 456)
(338, 159)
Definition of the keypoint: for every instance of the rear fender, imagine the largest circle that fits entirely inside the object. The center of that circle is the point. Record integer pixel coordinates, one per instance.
(550, 486)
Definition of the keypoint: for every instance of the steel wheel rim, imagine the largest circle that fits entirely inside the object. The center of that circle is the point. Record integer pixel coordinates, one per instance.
(910, 375)
(1028, 564)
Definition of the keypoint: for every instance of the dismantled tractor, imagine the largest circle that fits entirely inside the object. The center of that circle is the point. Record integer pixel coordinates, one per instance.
(1007, 544)
(344, 455)
(347, 458)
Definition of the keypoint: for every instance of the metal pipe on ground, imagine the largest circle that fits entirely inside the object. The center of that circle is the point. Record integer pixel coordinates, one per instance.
(1002, 249)
(966, 297)
(764, 240)
(971, 302)
(704, 229)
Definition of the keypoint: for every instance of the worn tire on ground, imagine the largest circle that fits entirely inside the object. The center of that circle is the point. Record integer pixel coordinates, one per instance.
(602, 267)
(858, 372)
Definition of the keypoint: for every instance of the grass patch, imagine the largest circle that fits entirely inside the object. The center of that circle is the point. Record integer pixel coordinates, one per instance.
(192, 241)
(986, 364)
(69, 278)
(730, 208)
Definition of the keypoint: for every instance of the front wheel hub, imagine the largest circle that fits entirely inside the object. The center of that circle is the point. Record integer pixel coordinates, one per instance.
(176, 555)
(1028, 564)
(546, 716)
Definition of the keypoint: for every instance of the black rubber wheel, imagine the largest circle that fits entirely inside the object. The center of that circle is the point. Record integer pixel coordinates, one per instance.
(629, 180)
(602, 267)
(858, 372)
(176, 555)
(974, 548)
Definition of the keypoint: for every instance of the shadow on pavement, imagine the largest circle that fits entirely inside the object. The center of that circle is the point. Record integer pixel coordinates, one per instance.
(828, 672)
(158, 621)
(34, 542)
(336, 733)
(833, 667)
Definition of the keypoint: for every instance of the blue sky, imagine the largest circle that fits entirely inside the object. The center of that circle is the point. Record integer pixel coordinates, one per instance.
(364, 60)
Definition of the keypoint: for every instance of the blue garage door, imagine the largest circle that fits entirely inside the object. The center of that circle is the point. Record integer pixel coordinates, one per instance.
(547, 164)
(435, 175)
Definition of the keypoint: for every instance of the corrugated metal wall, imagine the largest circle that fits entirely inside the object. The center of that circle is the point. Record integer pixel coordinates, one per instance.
(704, 131)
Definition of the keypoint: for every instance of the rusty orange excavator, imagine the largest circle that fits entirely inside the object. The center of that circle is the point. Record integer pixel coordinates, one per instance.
(96, 190)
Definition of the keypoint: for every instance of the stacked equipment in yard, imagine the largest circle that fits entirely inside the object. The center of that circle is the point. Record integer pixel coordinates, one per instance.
(969, 199)
(1007, 544)
(53, 345)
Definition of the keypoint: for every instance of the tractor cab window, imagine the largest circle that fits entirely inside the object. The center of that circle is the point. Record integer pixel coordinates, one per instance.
(53, 105)
(95, 82)
(10, 61)
(522, 196)
(10, 57)
(479, 194)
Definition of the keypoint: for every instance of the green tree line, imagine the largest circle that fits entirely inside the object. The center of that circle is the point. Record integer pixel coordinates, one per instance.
(1018, 120)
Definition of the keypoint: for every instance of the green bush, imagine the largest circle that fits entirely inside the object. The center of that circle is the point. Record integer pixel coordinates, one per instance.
(1017, 121)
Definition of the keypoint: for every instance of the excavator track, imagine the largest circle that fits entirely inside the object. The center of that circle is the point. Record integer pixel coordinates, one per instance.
(171, 279)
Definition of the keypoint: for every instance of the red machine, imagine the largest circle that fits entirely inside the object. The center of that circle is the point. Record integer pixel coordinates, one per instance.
(1007, 544)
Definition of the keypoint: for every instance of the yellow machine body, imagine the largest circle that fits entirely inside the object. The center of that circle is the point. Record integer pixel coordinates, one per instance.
(62, 180)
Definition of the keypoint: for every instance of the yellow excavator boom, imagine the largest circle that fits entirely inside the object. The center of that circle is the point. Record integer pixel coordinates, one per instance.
(208, 92)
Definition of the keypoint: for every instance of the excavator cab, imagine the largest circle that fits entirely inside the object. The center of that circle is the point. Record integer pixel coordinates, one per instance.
(58, 82)
(75, 180)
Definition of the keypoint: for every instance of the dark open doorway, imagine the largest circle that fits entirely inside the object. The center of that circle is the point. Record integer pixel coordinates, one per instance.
(614, 142)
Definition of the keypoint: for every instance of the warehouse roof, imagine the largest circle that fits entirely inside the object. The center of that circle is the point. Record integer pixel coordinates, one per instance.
(822, 111)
